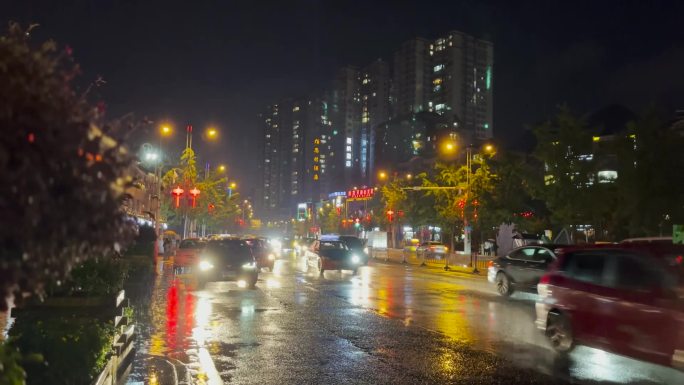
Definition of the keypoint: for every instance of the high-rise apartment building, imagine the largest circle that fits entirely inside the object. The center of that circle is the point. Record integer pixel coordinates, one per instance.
(297, 152)
(346, 120)
(277, 138)
(319, 145)
(411, 77)
(461, 83)
(375, 110)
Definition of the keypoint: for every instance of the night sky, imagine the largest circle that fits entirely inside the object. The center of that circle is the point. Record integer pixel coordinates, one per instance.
(220, 62)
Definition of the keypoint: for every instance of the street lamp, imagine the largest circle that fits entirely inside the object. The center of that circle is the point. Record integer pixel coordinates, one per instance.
(382, 175)
(221, 168)
(165, 130)
(212, 133)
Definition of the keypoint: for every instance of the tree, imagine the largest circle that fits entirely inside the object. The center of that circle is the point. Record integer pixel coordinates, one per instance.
(510, 199)
(63, 178)
(213, 206)
(649, 184)
(563, 148)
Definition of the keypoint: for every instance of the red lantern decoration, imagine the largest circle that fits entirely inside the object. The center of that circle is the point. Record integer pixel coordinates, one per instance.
(194, 193)
(177, 192)
(390, 215)
(211, 208)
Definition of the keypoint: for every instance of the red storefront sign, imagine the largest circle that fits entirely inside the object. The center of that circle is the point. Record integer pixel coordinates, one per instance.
(366, 193)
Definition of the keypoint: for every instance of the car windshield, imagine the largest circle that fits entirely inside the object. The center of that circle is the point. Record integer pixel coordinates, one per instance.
(191, 244)
(333, 245)
(231, 250)
(353, 242)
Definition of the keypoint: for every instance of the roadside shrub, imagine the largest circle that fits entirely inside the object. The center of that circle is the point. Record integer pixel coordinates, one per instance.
(75, 349)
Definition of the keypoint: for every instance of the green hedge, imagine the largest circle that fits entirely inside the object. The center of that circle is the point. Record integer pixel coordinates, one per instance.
(75, 349)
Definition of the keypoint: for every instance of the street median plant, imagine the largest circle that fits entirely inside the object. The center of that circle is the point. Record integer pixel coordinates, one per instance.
(74, 349)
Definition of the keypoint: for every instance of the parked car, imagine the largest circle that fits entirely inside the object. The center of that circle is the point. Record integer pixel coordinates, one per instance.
(615, 299)
(227, 259)
(189, 251)
(522, 268)
(432, 249)
(262, 251)
(332, 255)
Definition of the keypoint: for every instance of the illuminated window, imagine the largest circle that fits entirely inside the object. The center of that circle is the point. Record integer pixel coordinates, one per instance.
(607, 176)
(440, 106)
(349, 148)
(349, 140)
(437, 81)
(347, 163)
(296, 108)
(348, 156)
(438, 67)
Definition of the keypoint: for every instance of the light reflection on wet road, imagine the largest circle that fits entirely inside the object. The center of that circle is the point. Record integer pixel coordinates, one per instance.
(389, 324)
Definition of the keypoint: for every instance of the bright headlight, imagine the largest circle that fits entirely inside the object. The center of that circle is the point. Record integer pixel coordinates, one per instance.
(251, 265)
(365, 250)
(355, 259)
(205, 265)
(276, 244)
(271, 257)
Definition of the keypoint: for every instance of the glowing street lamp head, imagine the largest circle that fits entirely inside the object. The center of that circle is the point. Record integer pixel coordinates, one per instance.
(212, 133)
(233, 185)
(382, 175)
(489, 148)
(221, 168)
(165, 130)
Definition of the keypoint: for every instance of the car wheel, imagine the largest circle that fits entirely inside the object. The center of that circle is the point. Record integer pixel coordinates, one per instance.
(503, 284)
(559, 331)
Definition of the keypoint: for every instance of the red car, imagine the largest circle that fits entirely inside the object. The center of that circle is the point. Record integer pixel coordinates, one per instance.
(189, 251)
(613, 298)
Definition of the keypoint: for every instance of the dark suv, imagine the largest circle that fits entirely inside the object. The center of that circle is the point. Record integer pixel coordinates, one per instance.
(227, 259)
(521, 268)
(613, 298)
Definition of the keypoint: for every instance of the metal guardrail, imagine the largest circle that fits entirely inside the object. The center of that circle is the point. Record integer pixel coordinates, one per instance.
(448, 261)
(119, 364)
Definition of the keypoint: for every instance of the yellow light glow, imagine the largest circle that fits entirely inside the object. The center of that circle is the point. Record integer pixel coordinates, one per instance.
(212, 133)
(596, 138)
(382, 175)
(165, 130)
(489, 148)
(222, 168)
(409, 176)
(233, 185)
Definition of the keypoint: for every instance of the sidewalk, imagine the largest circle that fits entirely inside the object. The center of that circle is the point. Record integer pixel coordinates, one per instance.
(457, 263)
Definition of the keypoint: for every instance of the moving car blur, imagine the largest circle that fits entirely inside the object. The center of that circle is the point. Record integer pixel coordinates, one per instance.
(521, 269)
(616, 298)
(227, 259)
(332, 255)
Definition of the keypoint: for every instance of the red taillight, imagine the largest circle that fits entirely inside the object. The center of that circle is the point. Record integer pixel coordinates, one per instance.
(545, 279)
(490, 264)
(679, 259)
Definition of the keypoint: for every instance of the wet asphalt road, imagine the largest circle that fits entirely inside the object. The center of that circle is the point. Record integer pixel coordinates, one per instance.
(390, 324)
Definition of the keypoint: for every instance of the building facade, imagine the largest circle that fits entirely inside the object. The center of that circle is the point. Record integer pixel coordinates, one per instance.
(377, 114)
(461, 86)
